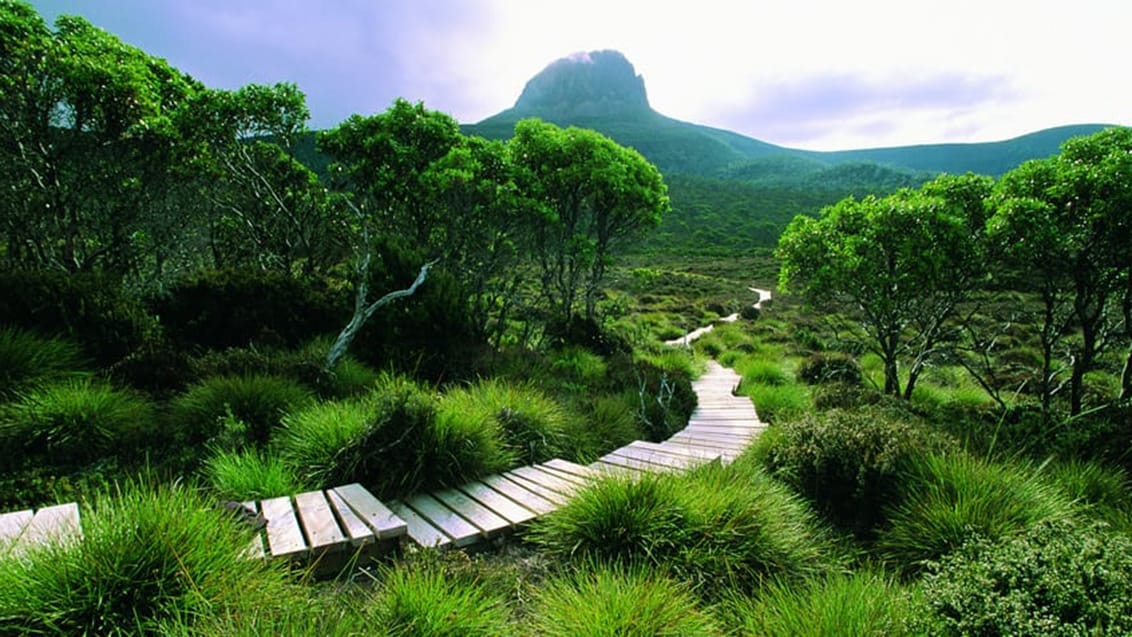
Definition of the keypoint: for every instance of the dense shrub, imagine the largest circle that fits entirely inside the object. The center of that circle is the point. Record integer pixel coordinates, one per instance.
(258, 402)
(148, 555)
(235, 308)
(424, 601)
(848, 463)
(618, 601)
(1058, 579)
(75, 422)
(945, 500)
(90, 309)
(829, 367)
(534, 427)
(665, 398)
(718, 527)
(27, 360)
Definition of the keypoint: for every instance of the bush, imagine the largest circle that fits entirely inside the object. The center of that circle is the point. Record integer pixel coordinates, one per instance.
(946, 500)
(250, 475)
(533, 426)
(426, 602)
(1058, 579)
(829, 367)
(848, 463)
(307, 365)
(859, 604)
(28, 360)
(775, 403)
(73, 423)
(610, 423)
(257, 401)
(629, 602)
(843, 396)
(148, 555)
(665, 398)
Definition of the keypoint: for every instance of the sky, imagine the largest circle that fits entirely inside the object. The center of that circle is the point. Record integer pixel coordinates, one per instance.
(813, 74)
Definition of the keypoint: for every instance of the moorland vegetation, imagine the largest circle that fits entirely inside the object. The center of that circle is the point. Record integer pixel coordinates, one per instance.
(945, 372)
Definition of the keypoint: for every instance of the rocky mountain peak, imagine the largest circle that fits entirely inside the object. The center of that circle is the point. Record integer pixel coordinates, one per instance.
(593, 84)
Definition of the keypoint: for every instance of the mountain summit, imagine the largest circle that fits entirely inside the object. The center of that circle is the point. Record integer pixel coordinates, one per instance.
(594, 84)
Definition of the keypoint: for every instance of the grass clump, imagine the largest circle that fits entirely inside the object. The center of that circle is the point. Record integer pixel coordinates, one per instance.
(258, 401)
(149, 555)
(848, 463)
(776, 403)
(250, 474)
(861, 603)
(949, 499)
(28, 360)
(628, 602)
(425, 601)
(76, 422)
(1058, 579)
(534, 426)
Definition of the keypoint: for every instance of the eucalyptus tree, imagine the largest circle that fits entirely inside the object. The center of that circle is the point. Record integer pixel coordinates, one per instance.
(897, 265)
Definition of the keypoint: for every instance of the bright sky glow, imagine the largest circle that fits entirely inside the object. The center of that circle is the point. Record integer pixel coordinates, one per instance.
(815, 74)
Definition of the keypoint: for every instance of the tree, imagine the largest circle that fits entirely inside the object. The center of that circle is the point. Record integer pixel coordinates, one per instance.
(594, 195)
(899, 265)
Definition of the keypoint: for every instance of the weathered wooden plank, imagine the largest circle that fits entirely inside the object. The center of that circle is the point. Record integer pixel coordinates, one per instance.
(520, 493)
(618, 470)
(565, 466)
(58, 523)
(284, 537)
(547, 494)
(514, 512)
(692, 453)
(653, 457)
(489, 522)
(639, 464)
(255, 546)
(705, 443)
(352, 525)
(319, 524)
(564, 486)
(12, 525)
(418, 528)
(384, 522)
(451, 523)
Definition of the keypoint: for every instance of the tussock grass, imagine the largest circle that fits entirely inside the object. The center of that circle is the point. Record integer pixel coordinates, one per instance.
(28, 360)
(534, 427)
(76, 422)
(250, 474)
(424, 601)
(629, 602)
(258, 401)
(775, 403)
(149, 555)
(948, 499)
(858, 604)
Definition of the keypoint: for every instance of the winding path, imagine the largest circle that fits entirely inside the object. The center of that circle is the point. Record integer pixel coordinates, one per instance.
(686, 340)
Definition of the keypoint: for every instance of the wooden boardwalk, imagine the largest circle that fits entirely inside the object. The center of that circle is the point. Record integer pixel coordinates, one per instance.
(328, 528)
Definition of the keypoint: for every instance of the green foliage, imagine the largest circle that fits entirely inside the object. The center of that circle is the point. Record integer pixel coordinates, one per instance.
(533, 426)
(850, 464)
(777, 402)
(307, 365)
(762, 371)
(257, 401)
(1104, 489)
(423, 601)
(28, 360)
(75, 422)
(829, 367)
(250, 474)
(148, 554)
(947, 500)
(716, 528)
(631, 602)
(610, 422)
(579, 365)
(862, 603)
(1057, 579)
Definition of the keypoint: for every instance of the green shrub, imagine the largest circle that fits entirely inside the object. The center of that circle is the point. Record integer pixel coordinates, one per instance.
(757, 370)
(610, 423)
(859, 604)
(148, 555)
(256, 400)
(843, 396)
(829, 367)
(775, 403)
(76, 422)
(665, 398)
(848, 463)
(946, 500)
(425, 602)
(624, 602)
(1057, 579)
(250, 474)
(27, 360)
(533, 426)
(579, 365)
(716, 527)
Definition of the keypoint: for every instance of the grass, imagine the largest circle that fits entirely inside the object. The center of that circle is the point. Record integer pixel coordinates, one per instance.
(533, 426)
(778, 402)
(28, 360)
(259, 401)
(425, 602)
(250, 474)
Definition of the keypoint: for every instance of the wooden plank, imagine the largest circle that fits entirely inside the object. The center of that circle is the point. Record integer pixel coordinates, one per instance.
(58, 523)
(547, 494)
(353, 525)
(579, 481)
(284, 537)
(318, 522)
(12, 525)
(702, 443)
(511, 510)
(384, 522)
(639, 464)
(653, 457)
(693, 453)
(255, 547)
(489, 522)
(618, 470)
(573, 468)
(518, 492)
(419, 529)
(548, 480)
(462, 532)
